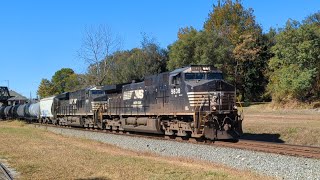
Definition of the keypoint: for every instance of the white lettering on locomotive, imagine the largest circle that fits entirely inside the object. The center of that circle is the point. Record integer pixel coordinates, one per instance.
(134, 94)
(175, 91)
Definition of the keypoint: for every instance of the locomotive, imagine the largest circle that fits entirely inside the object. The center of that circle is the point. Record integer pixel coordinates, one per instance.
(192, 101)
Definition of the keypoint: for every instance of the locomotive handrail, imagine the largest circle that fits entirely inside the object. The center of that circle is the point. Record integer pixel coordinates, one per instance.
(241, 108)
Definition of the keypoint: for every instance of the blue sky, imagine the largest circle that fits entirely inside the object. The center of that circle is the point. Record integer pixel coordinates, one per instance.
(37, 38)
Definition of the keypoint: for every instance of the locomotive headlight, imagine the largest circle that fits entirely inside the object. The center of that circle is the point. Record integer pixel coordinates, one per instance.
(235, 107)
(214, 108)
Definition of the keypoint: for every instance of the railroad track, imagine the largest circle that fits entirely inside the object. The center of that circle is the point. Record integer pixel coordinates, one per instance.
(268, 147)
(276, 148)
(4, 173)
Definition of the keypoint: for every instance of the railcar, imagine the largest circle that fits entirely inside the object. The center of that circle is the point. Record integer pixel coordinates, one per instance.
(2, 115)
(47, 109)
(7, 112)
(21, 111)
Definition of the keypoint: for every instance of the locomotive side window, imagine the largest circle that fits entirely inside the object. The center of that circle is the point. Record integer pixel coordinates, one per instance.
(175, 80)
(96, 92)
(190, 76)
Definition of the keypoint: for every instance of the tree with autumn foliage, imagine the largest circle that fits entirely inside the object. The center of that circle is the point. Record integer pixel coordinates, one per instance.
(233, 42)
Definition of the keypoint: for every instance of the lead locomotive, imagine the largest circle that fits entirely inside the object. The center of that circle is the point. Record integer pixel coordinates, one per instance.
(192, 101)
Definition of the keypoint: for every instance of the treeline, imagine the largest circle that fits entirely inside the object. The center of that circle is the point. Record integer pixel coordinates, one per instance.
(282, 64)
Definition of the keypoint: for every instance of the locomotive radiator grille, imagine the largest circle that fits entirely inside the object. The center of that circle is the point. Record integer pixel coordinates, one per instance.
(200, 98)
(216, 98)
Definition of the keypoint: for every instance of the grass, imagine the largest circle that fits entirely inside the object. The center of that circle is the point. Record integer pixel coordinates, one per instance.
(39, 154)
(292, 126)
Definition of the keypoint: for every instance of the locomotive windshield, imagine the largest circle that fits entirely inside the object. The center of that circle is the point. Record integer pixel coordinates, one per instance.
(198, 76)
(97, 92)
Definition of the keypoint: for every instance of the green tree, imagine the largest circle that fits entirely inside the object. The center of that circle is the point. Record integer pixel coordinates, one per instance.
(201, 47)
(294, 69)
(182, 51)
(45, 88)
(64, 80)
(60, 80)
(125, 66)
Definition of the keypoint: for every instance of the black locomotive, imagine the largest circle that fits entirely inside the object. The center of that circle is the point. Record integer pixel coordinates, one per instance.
(192, 101)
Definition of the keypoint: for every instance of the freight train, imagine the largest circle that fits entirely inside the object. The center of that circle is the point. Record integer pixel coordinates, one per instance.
(192, 101)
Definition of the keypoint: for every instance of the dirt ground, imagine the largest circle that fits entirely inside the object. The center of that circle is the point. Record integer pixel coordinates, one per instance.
(39, 154)
(299, 126)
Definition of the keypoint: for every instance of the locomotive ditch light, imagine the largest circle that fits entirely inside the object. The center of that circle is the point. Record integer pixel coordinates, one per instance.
(214, 108)
(235, 107)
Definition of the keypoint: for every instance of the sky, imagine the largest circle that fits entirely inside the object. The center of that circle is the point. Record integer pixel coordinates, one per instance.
(37, 38)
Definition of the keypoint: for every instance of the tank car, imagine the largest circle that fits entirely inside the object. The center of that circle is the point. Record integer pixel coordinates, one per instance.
(7, 112)
(34, 110)
(14, 111)
(193, 101)
(2, 115)
(21, 111)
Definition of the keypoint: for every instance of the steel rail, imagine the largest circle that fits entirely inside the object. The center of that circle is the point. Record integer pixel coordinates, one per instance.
(5, 172)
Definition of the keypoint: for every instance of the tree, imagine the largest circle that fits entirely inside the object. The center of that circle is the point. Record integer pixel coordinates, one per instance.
(200, 47)
(247, 62)
(182, 51)
(137, 63)
(231, 20)
(64, 80)
(233, 42)
(45, 88)
(295, 67)
(97, 46)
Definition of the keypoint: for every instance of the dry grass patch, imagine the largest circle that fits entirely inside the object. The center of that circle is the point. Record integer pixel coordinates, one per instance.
(292, 126)
(39, 154)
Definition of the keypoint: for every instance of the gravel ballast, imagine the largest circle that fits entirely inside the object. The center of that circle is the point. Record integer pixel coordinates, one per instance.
(281, 166)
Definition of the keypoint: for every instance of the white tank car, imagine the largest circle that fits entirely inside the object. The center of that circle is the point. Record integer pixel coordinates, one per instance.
(46, 108)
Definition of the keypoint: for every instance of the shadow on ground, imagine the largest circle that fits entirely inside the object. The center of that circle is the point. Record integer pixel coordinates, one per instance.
(265, 137)
(94, 178)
